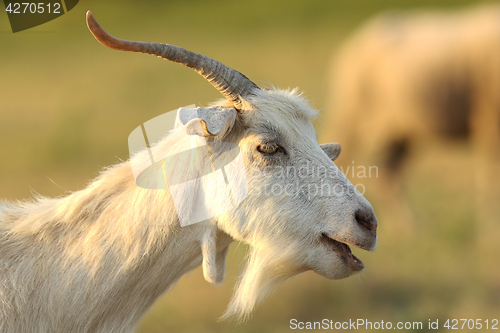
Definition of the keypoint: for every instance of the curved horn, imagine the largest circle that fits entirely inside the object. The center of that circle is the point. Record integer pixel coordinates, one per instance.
(230, 83)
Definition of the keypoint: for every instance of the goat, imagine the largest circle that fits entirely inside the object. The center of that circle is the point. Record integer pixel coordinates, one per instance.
(406, 81)
(97, 259)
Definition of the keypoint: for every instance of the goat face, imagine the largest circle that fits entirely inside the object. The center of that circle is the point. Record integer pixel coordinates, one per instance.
(300, 207)
(300, 212)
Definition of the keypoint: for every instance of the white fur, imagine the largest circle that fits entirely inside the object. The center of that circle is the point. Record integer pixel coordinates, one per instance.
(97, 259)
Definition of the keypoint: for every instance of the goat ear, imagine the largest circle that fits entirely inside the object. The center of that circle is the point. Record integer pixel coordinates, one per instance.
(214, 264)
(332, 150)
(206, 121)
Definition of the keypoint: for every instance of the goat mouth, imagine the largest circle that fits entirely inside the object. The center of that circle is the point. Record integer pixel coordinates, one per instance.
(343, 251)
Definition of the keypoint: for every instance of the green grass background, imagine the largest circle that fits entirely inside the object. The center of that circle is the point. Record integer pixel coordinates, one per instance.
(68, 104)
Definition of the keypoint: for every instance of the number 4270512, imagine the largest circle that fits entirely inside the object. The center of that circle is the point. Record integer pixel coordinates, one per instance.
(456, 324)
(33, 8)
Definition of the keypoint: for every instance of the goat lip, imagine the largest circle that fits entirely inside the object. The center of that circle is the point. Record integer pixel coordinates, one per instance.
(344, 251)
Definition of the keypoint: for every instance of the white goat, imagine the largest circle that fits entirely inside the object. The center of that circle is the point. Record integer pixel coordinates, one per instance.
(96, 260)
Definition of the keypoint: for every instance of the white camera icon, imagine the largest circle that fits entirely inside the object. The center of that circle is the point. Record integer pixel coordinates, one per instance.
(204, 178)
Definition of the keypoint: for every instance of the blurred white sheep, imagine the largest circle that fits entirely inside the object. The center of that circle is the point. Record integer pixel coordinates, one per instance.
(406, 81)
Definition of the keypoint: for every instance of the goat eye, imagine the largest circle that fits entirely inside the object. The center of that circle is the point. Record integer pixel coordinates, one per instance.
(268, 148)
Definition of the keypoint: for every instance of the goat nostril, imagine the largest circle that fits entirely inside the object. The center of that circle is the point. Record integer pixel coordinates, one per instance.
(366, 219)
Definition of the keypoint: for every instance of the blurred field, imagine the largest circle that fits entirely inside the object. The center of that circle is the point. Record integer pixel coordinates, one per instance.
(68, 104)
